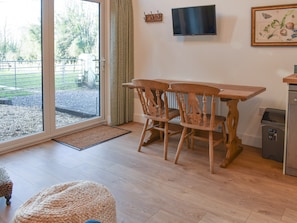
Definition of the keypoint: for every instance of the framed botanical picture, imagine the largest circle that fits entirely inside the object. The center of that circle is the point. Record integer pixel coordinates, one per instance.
(274, 25)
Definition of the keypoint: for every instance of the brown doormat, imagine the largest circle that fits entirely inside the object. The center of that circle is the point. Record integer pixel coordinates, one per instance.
(91, 137)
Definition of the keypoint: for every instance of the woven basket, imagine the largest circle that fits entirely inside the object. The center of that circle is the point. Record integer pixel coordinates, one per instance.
(72, 202)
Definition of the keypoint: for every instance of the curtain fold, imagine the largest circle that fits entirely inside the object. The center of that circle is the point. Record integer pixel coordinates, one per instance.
(121, 61)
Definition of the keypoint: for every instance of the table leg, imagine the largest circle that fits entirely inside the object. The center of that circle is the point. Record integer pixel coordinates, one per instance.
(152, 135)
(233, 142)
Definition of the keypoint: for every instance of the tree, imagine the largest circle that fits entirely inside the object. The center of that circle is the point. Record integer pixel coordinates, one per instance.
(8, 46)
(75, 31)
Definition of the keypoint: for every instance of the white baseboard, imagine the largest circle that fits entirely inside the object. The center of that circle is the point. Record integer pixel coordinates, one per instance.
(250, 140)
(138, 118)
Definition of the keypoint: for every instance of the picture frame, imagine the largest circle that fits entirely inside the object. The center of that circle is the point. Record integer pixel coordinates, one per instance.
(274, 25)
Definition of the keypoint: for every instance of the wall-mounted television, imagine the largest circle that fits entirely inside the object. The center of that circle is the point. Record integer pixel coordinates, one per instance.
(197, 20)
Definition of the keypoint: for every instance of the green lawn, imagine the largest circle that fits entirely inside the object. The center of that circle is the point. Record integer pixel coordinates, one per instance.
(12, 85)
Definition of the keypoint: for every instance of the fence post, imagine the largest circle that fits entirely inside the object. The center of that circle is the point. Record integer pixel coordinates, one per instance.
(15, 77)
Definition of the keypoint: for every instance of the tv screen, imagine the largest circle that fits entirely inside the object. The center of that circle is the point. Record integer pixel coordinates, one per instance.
(198, 20)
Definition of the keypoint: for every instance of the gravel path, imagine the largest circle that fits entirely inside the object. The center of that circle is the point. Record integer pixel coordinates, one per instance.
(24, 115)
(68, 100)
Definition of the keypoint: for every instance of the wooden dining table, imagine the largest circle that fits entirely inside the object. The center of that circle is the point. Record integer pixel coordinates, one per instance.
(231, 94)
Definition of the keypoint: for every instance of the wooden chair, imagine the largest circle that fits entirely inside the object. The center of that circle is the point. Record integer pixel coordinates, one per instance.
(153, 98)
(197, 110)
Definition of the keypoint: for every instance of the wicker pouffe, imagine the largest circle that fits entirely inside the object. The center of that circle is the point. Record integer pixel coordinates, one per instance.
(71, 202)
(5, 185)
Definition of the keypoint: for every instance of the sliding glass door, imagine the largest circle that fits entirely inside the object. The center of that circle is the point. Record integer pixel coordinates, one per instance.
(77, 61)
(21, 104)
(51, 68)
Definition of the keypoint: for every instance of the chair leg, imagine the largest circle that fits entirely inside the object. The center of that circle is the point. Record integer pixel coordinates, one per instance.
(143, 134)
(224, 132)
(161, 125)
(211, 164)
(8, 199)
(180, 144)
(166, 136)
(192, 139)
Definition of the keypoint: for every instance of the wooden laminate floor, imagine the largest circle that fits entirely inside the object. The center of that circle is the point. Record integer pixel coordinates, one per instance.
(149, 189)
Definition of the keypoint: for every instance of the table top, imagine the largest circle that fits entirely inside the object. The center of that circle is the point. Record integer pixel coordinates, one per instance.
(228, 91)
(291, 79)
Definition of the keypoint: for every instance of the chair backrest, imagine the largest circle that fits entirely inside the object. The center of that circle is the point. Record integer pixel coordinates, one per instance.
(153, 97)
(193, 100)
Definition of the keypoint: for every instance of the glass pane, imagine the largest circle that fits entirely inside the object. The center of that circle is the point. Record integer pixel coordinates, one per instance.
(77, 75)
(21, 102)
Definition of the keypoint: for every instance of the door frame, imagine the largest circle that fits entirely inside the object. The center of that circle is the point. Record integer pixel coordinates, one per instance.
(48, 72)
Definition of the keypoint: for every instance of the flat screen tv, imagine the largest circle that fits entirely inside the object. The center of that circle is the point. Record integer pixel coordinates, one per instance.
(197, 20)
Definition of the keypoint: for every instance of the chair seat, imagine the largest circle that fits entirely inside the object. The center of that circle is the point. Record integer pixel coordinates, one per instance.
(206, 126)
(172, 113)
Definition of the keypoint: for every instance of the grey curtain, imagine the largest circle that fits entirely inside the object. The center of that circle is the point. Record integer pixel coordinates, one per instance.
(121, 61)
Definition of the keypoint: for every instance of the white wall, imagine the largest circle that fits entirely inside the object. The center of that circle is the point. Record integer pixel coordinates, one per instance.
(225, 58)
